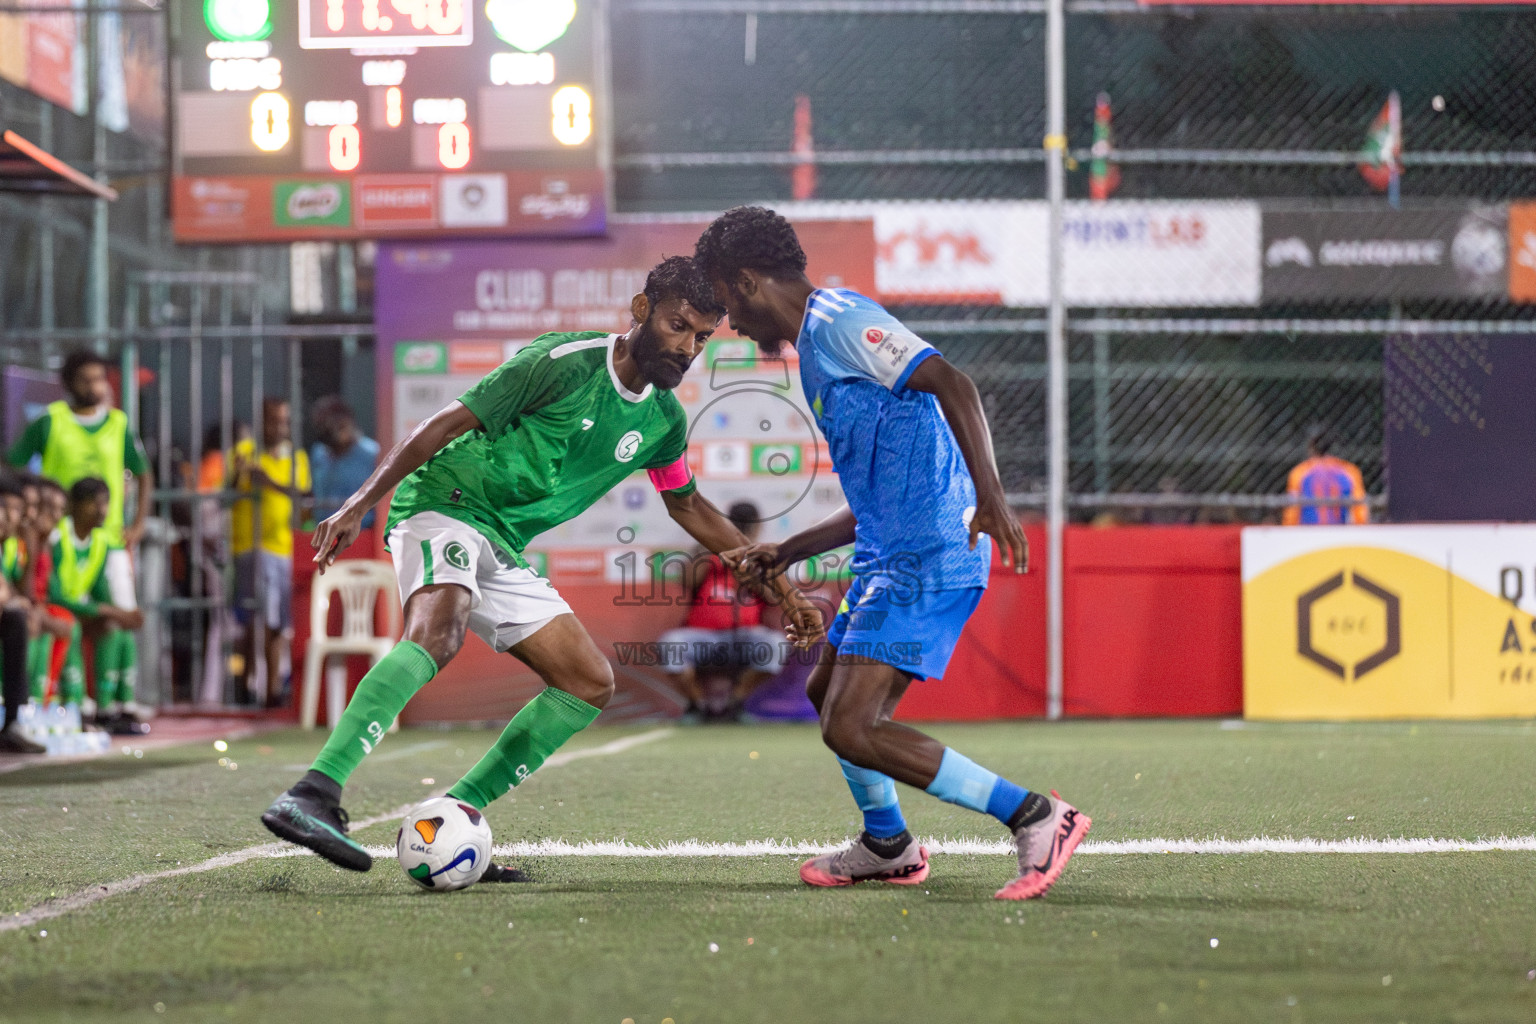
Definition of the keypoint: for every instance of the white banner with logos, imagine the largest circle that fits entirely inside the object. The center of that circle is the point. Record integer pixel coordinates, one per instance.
(1156, 253)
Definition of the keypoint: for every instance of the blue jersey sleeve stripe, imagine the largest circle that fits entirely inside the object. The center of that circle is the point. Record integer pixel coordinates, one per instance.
(901, 382)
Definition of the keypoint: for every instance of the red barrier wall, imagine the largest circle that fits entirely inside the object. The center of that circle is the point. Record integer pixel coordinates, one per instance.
(998, 670)
(1152, 617)
(1153, 621)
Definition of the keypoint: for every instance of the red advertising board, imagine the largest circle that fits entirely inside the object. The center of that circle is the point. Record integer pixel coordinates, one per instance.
(40, 50)
(260, 207)
(387, 202)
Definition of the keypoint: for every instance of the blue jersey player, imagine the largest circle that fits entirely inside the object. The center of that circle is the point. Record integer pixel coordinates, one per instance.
(913, 452)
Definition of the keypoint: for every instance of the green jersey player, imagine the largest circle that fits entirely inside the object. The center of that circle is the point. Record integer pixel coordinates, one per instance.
(532, 445)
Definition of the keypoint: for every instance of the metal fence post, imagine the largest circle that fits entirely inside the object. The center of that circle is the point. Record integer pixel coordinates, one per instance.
(1056, 349)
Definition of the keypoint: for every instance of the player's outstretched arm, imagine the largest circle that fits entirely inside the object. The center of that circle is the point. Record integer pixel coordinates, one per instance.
(431, 436)
(961, 403)
(705, 524)
(835, 531)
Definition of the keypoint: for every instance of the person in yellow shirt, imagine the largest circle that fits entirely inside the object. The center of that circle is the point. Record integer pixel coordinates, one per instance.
(261, 537)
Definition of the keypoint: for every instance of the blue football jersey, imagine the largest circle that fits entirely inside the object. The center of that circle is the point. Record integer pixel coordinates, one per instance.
(895, 456)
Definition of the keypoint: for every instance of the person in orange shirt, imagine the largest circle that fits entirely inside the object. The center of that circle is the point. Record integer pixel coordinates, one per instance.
(1336, 482)
(210, 469)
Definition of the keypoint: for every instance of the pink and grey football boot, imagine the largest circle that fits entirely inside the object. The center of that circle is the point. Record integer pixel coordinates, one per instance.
(858, 863)
(1044, 849)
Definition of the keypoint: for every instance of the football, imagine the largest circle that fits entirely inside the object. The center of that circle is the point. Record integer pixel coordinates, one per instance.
(443, 845)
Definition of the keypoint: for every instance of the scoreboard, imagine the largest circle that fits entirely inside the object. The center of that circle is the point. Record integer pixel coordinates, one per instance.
(331, 119)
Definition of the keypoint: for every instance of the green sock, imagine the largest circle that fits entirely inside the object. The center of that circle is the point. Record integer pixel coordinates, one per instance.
(39, 653)
(381, 696)
(544, 724)
(72, 675)
(127, 666)
(107, 672)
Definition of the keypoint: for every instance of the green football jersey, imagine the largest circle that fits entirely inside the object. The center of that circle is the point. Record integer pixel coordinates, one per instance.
(560, 431)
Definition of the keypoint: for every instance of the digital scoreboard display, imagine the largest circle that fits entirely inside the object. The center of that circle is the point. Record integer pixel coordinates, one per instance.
(327, 119)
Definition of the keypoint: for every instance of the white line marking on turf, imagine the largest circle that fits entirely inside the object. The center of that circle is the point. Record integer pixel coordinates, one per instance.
(990, 847)
(388, 755)
(1265, 844)
(391, 755)
(85, 897)
(616, 747)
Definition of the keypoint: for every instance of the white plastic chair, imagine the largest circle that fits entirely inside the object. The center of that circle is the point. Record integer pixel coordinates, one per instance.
(360, 584)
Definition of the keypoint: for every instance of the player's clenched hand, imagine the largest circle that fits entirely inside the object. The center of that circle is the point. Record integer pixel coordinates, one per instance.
(994, 519)
(803, 623)
(335, 535)
(753, 563)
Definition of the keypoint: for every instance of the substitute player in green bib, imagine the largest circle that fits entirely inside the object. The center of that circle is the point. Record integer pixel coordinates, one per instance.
(86, 437)
(534, 444)
(93, 580)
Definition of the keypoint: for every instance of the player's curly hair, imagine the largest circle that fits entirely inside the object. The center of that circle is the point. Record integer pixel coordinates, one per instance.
(78, 360)
(749, 237)
(91, 488)
(679, 277)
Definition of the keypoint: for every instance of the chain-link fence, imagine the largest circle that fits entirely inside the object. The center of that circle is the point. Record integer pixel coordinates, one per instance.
(1230, 138)
(1192, 387)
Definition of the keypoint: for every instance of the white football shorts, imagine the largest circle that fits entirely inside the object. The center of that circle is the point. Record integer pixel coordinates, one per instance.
(508, 603)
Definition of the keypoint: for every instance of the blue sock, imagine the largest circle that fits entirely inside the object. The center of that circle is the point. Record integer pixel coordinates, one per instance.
(876, 796)
(964, 782)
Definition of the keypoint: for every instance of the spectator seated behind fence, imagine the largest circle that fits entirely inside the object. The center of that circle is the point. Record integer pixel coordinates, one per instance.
(261, 537)
(86, 437)
(14, 618)
(343, 458)
(51, 626)
(1333, 483)
(93, 580)
(722, 652)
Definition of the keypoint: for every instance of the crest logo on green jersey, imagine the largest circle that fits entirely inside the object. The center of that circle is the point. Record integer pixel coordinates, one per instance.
(456, 556)
(628, 445)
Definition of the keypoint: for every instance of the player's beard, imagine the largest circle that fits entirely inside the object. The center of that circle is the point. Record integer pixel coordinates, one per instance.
(771, 349)
(663, 369)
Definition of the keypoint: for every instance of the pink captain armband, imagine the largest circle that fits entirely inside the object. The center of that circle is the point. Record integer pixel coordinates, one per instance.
(670, 478)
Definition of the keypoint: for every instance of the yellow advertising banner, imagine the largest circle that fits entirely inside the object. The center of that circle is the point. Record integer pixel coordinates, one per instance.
(1380, 622)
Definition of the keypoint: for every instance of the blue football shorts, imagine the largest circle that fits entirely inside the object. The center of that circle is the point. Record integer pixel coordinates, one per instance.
(891, 621)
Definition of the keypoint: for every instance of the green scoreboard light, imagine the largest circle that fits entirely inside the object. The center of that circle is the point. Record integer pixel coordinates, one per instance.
(313, 119)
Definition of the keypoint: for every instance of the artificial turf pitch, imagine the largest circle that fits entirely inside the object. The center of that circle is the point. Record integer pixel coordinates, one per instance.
(1300, 937)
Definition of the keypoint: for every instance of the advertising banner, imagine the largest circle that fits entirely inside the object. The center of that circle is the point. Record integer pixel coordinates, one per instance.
(253, 207)
(1522, 252)
(1459, 421)
(1162, 254)
(1385, 254)
(449, 313)
(43, 52)
(1389, 622)
(984, 253)
(1133, 254)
